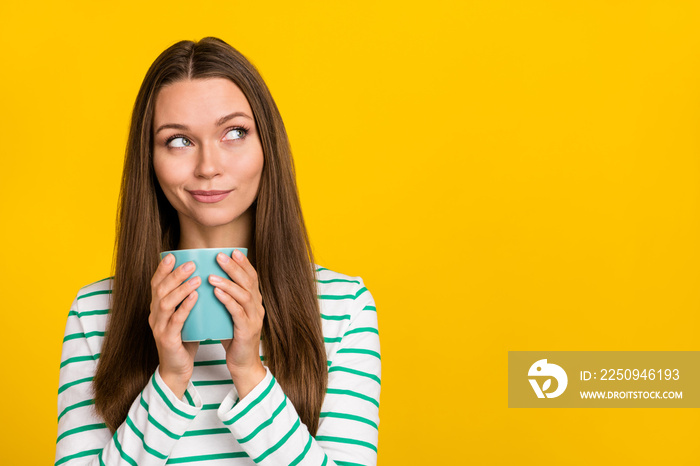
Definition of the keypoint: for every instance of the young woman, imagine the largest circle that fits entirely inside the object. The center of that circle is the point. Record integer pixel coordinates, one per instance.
(208, 165)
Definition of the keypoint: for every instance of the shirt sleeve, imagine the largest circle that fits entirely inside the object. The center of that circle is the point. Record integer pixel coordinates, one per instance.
(267, 426)
(155, 421)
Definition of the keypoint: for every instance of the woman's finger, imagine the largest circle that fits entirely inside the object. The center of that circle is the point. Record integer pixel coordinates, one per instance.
(166, 306)
(178, 318)
(242, 260)
(162, 271)
(237, 312)
(235, 271)
(243, 297)
(176, 296)
(254, 289)
(174, 279)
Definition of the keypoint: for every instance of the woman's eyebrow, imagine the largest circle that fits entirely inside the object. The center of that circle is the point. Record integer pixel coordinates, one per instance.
(219, 122)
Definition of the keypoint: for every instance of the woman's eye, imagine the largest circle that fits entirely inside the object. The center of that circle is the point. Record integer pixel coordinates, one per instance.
(179, 145)
(239, 133)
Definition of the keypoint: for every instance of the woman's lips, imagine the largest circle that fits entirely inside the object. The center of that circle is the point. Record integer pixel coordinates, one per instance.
(209, 196)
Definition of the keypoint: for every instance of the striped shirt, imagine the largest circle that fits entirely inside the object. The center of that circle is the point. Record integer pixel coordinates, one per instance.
(209, 425)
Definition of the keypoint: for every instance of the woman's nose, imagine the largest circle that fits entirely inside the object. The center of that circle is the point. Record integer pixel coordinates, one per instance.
(208, 161)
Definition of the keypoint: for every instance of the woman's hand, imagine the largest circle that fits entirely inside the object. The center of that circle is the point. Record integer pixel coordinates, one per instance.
(242, 298)
(167, 291)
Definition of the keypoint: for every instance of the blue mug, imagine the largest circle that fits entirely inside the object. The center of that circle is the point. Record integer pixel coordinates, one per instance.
(209, 319)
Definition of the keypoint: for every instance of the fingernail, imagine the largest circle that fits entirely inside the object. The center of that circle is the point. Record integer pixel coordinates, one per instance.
(238, 254)
(189, 267)
(169, 259)
(222, 257)
(214, 279)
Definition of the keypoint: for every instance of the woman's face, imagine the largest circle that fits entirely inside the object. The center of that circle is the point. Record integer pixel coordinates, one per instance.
(205, 139)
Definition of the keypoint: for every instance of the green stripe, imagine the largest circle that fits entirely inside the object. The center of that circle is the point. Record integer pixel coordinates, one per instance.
(343, 317)
(331, 340)
(360, 351)
(97, 312)
(356, 372)
(122, 453)
(329, 363)
(214, 362)
(276, 446)
(266, 423)
(189, 398)
(75, 406)
(362, 330)
(210, 342)
(168, 402)
(77, 455)
(73, 336)
(343, 296)
(81, 429)
(95, 293)
(370, 308)
(335, 280)
(221, 430)
(99, 457)
(351, 441)
(321, 268)
(252, 404)
(138, 433)
(302, 455)
(216, 456)
(325, 460)
(201, 383)
(89, 313)
(351, 417)
(75, 382)
(347, 463)
(79, 359)
(336, 297)
(336, 391)
(156, 423)
(212, 406)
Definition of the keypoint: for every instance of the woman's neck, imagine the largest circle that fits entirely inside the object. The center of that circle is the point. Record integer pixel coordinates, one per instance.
(237, 234)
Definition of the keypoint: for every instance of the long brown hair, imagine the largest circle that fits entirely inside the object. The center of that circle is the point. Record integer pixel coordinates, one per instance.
(280, 251)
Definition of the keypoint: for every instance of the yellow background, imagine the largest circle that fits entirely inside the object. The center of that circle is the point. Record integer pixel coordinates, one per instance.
(503, 175)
